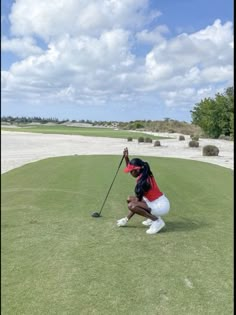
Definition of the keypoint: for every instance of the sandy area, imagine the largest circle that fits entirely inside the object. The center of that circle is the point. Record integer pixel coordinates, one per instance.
(21, 148)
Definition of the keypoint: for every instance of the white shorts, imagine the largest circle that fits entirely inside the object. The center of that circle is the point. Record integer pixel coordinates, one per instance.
(159, 207)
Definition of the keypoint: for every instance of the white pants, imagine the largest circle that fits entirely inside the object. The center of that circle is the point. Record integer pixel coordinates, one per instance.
(159, 207)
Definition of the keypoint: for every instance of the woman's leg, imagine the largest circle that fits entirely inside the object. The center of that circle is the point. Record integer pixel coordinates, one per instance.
(131, 198)
(140, 208)
(160, 206)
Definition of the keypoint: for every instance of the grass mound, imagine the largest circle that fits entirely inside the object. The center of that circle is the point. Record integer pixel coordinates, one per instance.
(57, 259)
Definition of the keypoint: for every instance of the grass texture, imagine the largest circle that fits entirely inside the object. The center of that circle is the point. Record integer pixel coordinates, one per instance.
(57, 259)
(83, 131)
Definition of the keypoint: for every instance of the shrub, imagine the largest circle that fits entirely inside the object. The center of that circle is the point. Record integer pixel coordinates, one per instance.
(129, 139)
(194, 137)
(148, 140)
(193, 144)
(210, 150)
(157, 143)
(181, 138)
(223, 137)
(140, 139)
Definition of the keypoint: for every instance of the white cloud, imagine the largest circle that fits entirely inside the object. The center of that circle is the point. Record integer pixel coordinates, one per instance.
(90, 56)
(83, 61)
(194, 58)
(217, 73)
(216, 33)
(153, 37)
(157, 70)
(186, 96)
(22, 47)
(52, 18)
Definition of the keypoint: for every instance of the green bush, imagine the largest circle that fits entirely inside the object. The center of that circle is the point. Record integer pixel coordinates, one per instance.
(181, 138)
(210, 150)
(129, 139)
(140, 139)
(194, 137)
(223, 137)
(157, 143)
(193, 144)
(148, 140)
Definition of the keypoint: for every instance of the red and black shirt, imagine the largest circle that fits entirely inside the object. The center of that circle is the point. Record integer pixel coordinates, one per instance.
(154, 192)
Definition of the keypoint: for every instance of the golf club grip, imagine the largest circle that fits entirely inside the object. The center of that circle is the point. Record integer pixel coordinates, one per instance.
(111, 184)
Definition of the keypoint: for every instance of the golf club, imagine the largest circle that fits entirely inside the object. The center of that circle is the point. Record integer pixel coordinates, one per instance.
(98, 214)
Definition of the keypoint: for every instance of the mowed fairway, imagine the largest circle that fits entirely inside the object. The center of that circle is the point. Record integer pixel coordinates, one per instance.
(83, 131)
(57, 259)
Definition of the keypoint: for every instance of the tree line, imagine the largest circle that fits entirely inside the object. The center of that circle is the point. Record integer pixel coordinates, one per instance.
(211, 117)
(215, 115)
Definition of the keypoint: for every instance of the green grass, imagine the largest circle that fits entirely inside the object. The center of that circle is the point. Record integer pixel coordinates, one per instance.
(57, 259)
(83, 131)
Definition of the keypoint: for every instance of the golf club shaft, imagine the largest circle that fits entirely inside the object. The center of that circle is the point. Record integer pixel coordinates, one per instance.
(111, 184)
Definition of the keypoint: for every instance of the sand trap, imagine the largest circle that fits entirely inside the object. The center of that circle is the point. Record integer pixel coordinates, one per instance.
(21, 148)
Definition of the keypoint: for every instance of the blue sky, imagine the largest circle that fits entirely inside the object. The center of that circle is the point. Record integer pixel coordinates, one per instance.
(114, 59)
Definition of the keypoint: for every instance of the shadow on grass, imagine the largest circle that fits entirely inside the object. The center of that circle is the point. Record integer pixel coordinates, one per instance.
(176, 226)
(183, 225)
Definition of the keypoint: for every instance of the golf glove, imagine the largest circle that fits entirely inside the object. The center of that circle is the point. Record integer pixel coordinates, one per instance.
(122, 222)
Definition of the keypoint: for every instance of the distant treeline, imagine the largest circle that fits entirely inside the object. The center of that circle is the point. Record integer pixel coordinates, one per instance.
(27, 120)
(39, 120)
(211, 117)
(166, 125)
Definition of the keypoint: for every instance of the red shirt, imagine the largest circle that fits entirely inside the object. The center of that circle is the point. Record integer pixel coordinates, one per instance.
(154, 192)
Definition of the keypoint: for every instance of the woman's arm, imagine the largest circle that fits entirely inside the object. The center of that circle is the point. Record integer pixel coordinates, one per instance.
(126, 155)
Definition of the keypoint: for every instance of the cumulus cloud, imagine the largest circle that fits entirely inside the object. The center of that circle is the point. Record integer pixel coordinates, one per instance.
(154, 36)
(52, 18)
(195, 59)
(22, 47)
(89, 56)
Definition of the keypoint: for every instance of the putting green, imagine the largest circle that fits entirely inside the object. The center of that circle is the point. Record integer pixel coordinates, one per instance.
(57, 259)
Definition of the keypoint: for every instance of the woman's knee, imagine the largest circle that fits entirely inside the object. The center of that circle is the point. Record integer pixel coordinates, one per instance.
(131, 198)
(131, 206)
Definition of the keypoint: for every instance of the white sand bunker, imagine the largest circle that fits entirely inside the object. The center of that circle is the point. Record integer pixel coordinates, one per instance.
(21, 148)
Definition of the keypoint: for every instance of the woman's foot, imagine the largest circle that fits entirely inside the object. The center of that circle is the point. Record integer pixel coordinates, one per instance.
(156, 226)
(122, 222)
(147, 222)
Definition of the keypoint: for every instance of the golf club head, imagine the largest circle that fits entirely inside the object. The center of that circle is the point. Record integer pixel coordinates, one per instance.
(95, 215)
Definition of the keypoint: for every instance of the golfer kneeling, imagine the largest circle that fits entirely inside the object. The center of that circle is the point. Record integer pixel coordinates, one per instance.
(148, 201)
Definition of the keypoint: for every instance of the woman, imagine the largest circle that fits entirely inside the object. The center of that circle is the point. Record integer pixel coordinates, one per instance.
(148, 201)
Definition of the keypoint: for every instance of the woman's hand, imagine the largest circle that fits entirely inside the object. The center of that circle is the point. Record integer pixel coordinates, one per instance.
(126, 152)
(126, 155)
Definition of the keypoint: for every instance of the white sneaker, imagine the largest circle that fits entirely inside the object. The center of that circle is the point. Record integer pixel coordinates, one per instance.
(156, 226)
(147, 222)
(122, 222)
